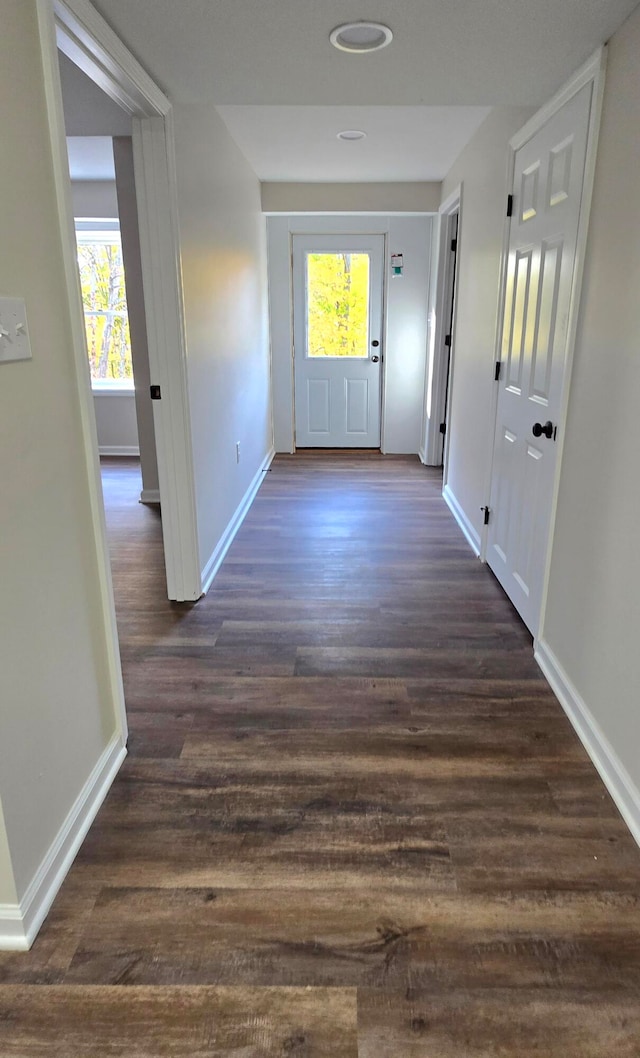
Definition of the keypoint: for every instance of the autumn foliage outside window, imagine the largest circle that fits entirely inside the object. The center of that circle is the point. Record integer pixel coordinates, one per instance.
(337, 304)
(105, 309)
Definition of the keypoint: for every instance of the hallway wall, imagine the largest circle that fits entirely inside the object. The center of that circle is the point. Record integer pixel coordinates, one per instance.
(592, 616)
(287, 198)
(59, 692)
(223, 252)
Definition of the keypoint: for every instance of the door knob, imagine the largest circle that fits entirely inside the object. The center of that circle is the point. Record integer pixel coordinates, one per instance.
(375, 343)
(538, 429)
(374, 359)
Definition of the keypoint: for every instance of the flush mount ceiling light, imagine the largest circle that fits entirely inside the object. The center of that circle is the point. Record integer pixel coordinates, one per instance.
(361, 36)
(351, 134)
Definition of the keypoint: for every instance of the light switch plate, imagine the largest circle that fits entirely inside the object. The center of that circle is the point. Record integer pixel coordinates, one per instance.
(14, 334)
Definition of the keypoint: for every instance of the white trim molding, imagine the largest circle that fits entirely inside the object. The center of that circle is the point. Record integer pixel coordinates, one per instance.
(435, 397)
(604, 757)
(55, 118)
(227, 538)
(19, 923)
(461, 518)
(119, 450)
(149, 496)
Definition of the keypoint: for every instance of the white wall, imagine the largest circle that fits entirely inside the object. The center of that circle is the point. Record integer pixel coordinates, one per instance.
(8, 894)
(223, 250)
(94, 198)
(482, 171)
(350, 198)
(58, 699)
(406, 322)
(116, 423)
(88, 111)
(592, 618)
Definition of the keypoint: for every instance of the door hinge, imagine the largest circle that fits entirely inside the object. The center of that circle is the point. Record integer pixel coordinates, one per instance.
(443, 428)
(496, 375)
(509, 205)
(447, 340)
(454, 245)
(155, 393)
(487, 514)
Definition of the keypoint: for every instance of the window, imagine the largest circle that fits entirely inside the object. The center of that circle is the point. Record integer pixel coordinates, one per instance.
(105, 307)
(337, 297)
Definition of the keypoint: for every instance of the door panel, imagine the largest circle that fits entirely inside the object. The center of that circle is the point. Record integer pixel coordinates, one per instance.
(544, 340)
(337, 308)
(548, 184)
(357, 401)
(522, 286)
(318, 405)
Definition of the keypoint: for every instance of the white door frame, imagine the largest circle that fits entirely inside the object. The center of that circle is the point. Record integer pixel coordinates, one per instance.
(76, 28)
(592, 71)
(436, 391)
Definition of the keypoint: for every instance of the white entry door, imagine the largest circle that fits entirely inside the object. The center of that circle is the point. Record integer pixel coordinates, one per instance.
(547, 194)
(337, 319)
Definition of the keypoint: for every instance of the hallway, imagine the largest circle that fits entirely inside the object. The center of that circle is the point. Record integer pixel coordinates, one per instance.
(352, 808)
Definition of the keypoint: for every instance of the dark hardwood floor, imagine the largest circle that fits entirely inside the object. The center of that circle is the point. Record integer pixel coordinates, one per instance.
(354, 820)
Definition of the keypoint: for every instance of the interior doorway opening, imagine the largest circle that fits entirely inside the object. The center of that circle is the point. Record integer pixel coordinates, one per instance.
(451, 245)
(84, 37)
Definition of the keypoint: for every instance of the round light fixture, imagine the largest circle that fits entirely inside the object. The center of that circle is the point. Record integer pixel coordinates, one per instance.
(361, 36)
(351, 135)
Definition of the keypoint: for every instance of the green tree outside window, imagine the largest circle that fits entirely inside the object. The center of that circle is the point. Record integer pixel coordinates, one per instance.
(337, 304)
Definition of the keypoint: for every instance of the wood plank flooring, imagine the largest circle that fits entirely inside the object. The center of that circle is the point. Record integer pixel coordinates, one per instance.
(353, 821)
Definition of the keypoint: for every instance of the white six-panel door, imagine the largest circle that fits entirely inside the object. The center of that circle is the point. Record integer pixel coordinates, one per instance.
(337, 322)
(548, 188)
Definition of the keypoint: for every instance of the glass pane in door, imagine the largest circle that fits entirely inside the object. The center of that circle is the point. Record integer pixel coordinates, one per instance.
(337, 304)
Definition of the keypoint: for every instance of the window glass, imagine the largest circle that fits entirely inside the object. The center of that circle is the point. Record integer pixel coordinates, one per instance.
(105, 308)
(337, 304)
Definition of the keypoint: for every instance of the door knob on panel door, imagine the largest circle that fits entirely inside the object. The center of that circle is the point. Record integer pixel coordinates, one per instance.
(374, 359)
(538, 429)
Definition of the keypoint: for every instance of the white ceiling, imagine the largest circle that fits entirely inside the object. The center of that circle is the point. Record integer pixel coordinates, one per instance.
(276, 53)
(91, 158)
(402, 144)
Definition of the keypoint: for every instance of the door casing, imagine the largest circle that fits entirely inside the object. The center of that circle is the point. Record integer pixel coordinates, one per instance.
(435, 450)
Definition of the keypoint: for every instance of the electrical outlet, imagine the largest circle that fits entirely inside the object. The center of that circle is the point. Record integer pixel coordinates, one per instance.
(237, 451)
(14, 336)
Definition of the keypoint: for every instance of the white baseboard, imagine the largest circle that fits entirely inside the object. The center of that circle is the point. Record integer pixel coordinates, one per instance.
(462, 520)
(150, 496)
(19, 923)
(223, 545)
(612, 771)
(422, 455)
(119, 450)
